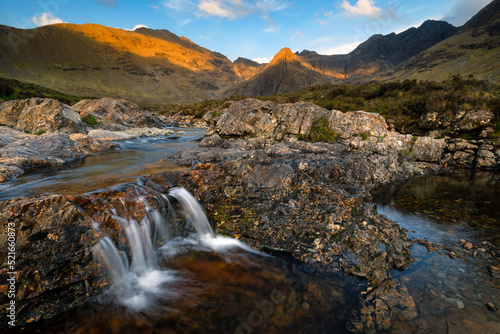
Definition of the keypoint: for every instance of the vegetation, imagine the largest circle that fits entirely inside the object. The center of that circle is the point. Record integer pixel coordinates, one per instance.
(11, 89)
(40, 132)
(321, 132)
(402, 103)
(90, 120)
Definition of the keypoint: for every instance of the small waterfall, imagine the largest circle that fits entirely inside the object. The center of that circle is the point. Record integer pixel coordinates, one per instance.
(137, 280)
(193, 212)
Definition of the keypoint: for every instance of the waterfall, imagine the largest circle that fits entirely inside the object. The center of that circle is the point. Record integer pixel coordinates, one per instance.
(135, 281)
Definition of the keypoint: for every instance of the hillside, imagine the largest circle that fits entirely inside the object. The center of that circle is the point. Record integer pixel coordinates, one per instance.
(285, 73)
(473, 50)
(90, 59)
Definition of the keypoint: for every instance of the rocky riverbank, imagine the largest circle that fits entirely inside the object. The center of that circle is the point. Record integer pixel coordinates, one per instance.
(260, 181)
(40, 133)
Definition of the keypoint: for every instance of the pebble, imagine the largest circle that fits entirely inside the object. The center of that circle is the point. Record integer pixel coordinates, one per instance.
(452, 255)
(467, 245)
(491, 307)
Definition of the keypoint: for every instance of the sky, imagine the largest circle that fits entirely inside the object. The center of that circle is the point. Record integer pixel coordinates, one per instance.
(255, 30)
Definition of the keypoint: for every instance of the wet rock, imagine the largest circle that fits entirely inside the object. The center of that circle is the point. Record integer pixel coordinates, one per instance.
(467, 245)
(494, 271)
(381, 307)
(491, 307)
(54, 263)
(452, 255)
(117, 115)
(37, 114)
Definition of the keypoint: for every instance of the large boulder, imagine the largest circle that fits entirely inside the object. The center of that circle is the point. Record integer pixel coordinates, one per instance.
(117, 115)
(37, 114)
(268, 120)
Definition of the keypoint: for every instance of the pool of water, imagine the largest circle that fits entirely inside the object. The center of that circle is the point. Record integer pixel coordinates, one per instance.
(455, 223)
(135, 158)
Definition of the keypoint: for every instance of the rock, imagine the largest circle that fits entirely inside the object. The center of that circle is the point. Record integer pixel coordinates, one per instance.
(494, 271)
(37, 114)
(491, 307)
(452, 255)
(107, 135)
(271, 121)
(427, 149)
(53, 255)
(467, 245)
(211, 141)
(117, 115)
(47, 150)
(429, 121)
(473, 119)
(8, 135)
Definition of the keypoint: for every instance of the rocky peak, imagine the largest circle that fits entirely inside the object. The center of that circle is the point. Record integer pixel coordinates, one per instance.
(285, 54)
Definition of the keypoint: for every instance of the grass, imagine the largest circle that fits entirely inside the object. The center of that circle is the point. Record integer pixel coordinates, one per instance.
(11, 89)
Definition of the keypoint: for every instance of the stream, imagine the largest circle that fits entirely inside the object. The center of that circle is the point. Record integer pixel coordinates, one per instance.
(161, 281)
(134, 159)
(456, 223)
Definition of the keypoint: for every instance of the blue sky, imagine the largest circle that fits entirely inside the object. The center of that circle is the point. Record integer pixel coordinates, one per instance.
(252, 29)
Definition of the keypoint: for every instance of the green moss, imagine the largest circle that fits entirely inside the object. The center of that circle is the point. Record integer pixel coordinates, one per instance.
(90, 120)
(365, 136)
(321, 132)
(40, 132)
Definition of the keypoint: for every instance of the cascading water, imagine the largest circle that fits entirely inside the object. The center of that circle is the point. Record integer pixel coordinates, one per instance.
(138, 281)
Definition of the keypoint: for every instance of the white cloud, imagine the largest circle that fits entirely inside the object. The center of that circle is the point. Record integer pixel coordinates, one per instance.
(230, 9)
(45, 19)
(361, 8)
(339, 49)
(263, 60)
(297, 34)
(154, 7)
(137, 26)
(321, 22)
(464, 10)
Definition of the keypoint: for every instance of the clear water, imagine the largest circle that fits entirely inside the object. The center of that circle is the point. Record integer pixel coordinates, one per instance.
(451, 294)
(135, 158)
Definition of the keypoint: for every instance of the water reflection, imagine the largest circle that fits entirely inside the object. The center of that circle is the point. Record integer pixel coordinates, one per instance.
(135, 158)
(455, 224)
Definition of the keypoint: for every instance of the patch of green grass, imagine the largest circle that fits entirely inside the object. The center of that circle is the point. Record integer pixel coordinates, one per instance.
(365, 136)
(90, 120)
(321, 132)
(40, 132)
(11, 89)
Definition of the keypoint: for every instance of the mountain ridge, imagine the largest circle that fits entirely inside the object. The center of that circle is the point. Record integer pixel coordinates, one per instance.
(157, 66)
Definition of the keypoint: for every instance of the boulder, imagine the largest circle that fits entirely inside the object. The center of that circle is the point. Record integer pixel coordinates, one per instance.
(472, 120)
(53, 240)
(428, 149)
(268, 120)
(117, 115)
(37, 114)
(356, 123)
(47, 150)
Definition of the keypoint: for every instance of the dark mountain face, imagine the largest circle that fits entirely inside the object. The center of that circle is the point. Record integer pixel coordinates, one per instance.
(380, 53)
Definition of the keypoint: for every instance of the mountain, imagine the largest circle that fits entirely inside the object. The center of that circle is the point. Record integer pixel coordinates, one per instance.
(285, 73)
(155, 66)
(473, 50)
(380, 52)
(246, 68)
